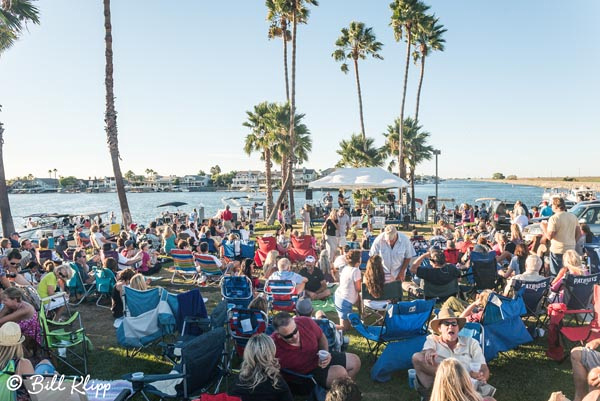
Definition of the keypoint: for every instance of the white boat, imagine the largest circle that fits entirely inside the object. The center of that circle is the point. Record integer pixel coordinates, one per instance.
(550, 193)
(581, 194)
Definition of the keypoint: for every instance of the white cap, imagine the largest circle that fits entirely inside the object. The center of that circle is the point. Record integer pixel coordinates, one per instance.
(339, 262)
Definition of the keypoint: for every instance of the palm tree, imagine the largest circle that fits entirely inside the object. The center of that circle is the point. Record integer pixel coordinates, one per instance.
(14, 16)
(297, 7)
(110, 118)
(55, 170)
(414, 149)
(429, 38)
(357, 42)
(49, 173)
(359, 152)
(407, 17)
(260, 140)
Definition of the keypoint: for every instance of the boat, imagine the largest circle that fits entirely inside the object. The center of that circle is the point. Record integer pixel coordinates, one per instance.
(550, 193)
(41, 225)
(581, 194)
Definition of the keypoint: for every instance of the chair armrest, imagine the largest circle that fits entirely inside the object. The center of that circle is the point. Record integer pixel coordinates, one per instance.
(67, 322)
(59, 294)
(153, 378)
(296, 374)
(574, 311)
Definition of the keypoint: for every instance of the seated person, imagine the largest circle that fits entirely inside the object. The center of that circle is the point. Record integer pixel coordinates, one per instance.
(13, 266)
(259, 377)
(270, 263)
(18, 311)
(474, 312)
(123, 278)
(344, 389)
(298, 341)
(586, 363)
(284, 273)
(304, 307)
(316, 286)
(44, 243)
(452, 382)
(572, 265)
(374, 280)
(55, 278)
(81, 239)
(123, 261)
(446, 343)
(283, 242)
(247, 269)
(439, 274)
(517, 262)
(438, 241)
(533, 264)
(204, 253)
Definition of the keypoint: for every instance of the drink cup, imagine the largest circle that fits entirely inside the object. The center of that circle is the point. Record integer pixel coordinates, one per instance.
(475, 367)
(137, 375)
(412, 376)
(323, 355)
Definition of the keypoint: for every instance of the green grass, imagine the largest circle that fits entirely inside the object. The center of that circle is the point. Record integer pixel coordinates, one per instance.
(524, 374)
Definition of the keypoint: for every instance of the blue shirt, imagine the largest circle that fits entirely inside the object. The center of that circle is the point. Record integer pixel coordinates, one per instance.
(546, 211)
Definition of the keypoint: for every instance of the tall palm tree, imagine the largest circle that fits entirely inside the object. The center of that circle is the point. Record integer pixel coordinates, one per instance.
(55, 171)
(49, 173)
(260, 140)
(297, 14)
(110, 118)
(14, 16)
(407, 17)
(359, 152)
(429, 38)
(357, 42)
(280, 124)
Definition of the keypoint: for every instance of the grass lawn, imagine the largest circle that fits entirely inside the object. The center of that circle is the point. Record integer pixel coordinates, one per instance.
(524, 374)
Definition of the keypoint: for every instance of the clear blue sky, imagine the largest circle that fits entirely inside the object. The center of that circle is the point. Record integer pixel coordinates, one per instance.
(516, 90)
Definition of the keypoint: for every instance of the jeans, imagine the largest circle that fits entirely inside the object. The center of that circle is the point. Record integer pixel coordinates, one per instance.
(556, 263)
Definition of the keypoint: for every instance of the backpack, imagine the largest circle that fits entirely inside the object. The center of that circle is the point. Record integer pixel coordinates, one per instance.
(31, 296)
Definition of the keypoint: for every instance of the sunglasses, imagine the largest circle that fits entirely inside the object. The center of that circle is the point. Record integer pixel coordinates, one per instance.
(13, 263)
(61, 275)
(446, 323)
(289, 336)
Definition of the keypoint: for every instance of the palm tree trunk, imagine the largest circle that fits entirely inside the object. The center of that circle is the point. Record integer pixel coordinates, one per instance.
(110, 118)
(419, 89)
(401, 165)
(412, 192)
(285, 62)
(268, 166)
(360, 106)
(8, 226)
(284, 169)
(289, 182)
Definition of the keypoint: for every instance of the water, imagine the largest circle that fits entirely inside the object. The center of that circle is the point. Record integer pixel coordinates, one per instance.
(143, 206)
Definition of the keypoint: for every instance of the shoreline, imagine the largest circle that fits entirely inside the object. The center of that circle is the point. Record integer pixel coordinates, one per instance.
(546, 183)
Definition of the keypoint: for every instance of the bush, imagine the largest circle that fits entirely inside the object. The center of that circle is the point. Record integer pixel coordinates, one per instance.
(264, 227)
(498, 176)
(511, 177)
(569, 179)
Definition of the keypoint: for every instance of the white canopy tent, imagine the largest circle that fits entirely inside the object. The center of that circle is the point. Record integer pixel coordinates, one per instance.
(359, 178)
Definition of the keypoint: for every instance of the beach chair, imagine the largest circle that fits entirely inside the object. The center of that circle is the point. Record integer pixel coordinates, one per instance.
(265, 245)
(109, 254)
(232, 249)
(148, 316)
(392, 292)
(452, 255)
(183, 265)
(43, 255)
(281, 295)
(248, 249)
(236, 290)
(243, 324)
(534, 295)
(335, 337)
(202, 368)
(114, 229)
(77, 284)
(584, 333)
(592, 253)
(578, 292)
(301, 248)
(66, 341)
(211, 272)
(483, 272)
(105, 282)
(402, 321)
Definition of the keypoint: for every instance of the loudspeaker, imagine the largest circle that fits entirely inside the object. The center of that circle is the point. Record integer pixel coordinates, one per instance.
(309, 194)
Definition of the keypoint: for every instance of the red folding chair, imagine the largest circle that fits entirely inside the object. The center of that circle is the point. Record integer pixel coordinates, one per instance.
(265, 245)
(301, 248)
(584, 333)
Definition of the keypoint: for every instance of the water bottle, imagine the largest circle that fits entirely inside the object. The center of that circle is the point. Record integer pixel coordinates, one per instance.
(412, 376)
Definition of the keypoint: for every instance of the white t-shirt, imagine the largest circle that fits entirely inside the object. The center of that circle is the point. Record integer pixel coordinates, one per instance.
(287, 275)
(347, 288)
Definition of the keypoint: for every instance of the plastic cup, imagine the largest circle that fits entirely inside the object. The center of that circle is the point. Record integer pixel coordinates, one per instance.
(137, 375)
(475, 367)
(412, 376)
(323, 355)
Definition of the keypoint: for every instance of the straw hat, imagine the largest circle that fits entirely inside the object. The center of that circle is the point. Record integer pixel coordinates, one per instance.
(445, 314)
(10, 335)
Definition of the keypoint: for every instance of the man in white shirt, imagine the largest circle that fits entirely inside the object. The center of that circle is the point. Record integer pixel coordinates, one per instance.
(284, 273)
(396, 252)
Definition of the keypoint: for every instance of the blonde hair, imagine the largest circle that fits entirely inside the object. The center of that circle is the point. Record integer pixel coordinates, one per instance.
(10, 352)
(483, 297)
(572, 261)
(453, 383)
(168, 233)
(284, 264)
(138, 282)
(66, 271)
(515, 232)
(259, 363)
(324, 264)
(271, 258)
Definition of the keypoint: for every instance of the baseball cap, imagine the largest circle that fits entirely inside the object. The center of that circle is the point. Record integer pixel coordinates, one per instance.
(310, 259)
(132, 226)
(304, 307)
(129, 242)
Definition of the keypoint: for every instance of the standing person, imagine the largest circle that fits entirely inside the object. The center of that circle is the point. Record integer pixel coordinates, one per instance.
(227, 217)
(194, 216)
(562, 229)
(391, 199)
(260, 378)
(348, 292)
(341, 199)
(329, 230)
(396, 252)
(343, 226)
(546, 210)
(253, 213)
(305, 213)
(287, 218)
(328, 200)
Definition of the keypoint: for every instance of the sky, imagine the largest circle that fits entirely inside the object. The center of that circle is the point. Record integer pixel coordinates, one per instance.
(515, 91)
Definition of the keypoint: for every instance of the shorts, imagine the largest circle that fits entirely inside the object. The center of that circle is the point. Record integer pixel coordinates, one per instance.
(44, 369)
(342, 242)
(590, 358)
(320, 374)
(343, 308)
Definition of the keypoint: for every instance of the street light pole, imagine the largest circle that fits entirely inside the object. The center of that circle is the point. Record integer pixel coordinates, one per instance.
(436, 152)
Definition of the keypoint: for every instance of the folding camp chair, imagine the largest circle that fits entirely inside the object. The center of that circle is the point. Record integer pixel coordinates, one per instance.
(109, 254)
(304, 385)
(236, 290)
(392, 293)
(534, 295)
(440, 292)
(335, 337)
(63, 339)
(148, 316)
(578, 292)
(202, 368)
(211, 272)
(232, 249)
(43, 255)
(592, 253)
(243, 324)
(452, 255)
(301, 248)
(183, 265)
(364, 258)
(476, 331)
(248, 249)
(105, 282)
(483, 271)
(192, 317)
(403, 320)
(265, 245)
(281, 295)
(584, 333)
(77, 284)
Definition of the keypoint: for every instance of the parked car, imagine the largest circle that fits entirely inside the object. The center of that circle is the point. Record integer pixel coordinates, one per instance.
(588, 213)
(500, 216)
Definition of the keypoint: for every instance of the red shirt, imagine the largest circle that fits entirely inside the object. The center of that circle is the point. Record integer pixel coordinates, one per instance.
(302, 359)
(226, 215)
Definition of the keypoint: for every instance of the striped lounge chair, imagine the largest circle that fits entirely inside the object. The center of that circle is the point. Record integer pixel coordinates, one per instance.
(183, 265)
(210, 270)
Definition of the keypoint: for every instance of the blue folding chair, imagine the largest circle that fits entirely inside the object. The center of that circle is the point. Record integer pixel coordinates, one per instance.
(578, 292)
(592, 252)
(534, 295)
(403, 320)
(335, 337)
(237, 290)
(364, 258)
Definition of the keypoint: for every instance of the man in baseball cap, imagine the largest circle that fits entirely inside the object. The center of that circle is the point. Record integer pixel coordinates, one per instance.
(316, 287)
